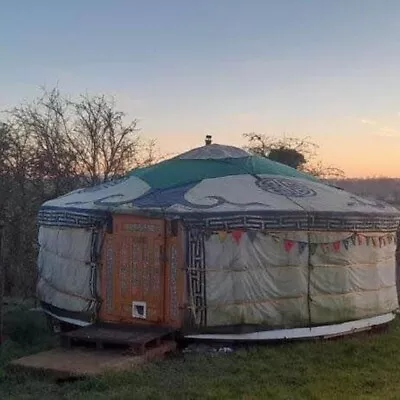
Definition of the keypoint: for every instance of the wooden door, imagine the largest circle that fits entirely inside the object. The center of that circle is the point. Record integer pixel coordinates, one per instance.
(134, 271)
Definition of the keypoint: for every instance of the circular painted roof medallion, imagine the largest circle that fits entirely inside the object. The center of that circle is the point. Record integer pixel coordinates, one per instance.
(285, 187)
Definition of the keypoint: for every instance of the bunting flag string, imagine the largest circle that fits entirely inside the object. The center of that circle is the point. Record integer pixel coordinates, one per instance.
(275, 239)
(237, 235)
(325, 247)
(252, 235)
(222, 235)
(313, 248)
(302, 247)
(336, 246)
(288, 244)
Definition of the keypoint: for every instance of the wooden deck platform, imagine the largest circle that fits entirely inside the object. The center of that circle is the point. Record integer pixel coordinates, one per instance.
(136, 338)
(61, 363)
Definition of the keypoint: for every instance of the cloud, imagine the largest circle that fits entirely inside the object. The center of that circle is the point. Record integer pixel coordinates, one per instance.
(381, 131)
(387, 129)
(388, 135)
(368, 122)
(388, 132)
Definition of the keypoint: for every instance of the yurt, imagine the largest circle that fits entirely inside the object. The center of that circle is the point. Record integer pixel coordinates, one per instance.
(219, 244)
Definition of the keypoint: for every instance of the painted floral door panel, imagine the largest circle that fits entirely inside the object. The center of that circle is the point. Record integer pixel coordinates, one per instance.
(133, 272)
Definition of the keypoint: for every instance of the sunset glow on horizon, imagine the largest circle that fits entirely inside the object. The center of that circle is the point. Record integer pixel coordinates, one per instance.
(324, 70)
(360, 154)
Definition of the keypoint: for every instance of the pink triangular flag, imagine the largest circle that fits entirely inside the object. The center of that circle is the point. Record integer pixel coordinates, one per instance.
(288, 245)
(237, 235)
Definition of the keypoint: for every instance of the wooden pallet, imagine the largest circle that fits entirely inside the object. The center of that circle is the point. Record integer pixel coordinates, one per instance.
(65, 364)
(134, 337)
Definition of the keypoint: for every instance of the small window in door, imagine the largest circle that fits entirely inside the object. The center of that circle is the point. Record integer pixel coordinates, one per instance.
(139, 309)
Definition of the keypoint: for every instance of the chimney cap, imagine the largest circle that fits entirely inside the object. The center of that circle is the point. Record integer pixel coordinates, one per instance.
(208, 140)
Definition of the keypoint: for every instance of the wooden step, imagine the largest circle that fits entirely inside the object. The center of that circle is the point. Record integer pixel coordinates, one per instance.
(61, 363)
(135, 337)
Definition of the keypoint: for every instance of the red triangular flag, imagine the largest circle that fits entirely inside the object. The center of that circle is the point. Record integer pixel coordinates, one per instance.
(336, 246)
(360, 240)
(288, 245)
(237, 235)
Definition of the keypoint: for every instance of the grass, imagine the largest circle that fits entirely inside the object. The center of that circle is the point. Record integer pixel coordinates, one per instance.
(366, 367)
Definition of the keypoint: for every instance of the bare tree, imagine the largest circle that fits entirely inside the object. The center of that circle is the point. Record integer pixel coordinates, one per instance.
(18, 204)
(322, 171)
(51, 146)
(5, 181)
(299, 153)
(105, 147)
(87, 138)
(262, 145)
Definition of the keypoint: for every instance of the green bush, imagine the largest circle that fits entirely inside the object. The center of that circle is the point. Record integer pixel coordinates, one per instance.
(25, 332)
(25, 327)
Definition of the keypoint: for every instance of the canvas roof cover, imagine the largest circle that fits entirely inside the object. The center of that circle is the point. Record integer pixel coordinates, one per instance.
(218, 185)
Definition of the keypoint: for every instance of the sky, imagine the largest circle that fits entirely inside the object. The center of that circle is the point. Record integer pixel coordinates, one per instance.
(328, 70)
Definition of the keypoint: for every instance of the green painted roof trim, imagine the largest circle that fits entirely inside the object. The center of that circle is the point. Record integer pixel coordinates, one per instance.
(177, 172)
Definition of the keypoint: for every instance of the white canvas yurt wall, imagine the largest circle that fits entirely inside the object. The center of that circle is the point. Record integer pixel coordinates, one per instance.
(296, 278)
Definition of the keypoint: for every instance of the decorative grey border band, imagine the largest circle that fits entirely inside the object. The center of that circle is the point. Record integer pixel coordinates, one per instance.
(72, 218)
(267, 220)
(196, 277)
(298, 221)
